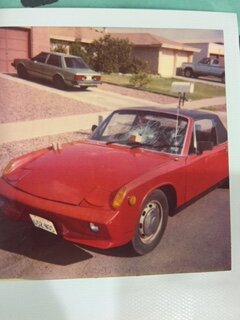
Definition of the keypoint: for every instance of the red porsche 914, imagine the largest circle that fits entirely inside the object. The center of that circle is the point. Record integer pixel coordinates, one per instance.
(139, 166)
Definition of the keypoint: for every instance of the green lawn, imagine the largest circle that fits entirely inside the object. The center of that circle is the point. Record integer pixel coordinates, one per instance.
(163, 86)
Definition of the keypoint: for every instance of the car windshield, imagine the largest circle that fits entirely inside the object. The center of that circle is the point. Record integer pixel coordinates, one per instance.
(151, 130)
(75, 63)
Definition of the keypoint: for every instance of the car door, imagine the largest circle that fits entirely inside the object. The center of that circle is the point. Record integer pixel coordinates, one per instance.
(53, 66)
(216, 69)
(205, 169)
(202, 67)
(36, 65)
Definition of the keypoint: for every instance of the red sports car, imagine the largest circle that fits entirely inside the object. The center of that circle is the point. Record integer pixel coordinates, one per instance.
(137, 168)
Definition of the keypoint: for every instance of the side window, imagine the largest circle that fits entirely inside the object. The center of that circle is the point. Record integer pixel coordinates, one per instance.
(204, 61)
(54, 60)
(193, 147)
(41, 57)
(204, 130)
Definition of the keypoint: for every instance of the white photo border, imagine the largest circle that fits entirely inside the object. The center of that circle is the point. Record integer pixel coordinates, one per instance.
(210, 295)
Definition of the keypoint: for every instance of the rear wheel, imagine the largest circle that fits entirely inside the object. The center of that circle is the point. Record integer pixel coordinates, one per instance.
(188, 73)
(225, 184)
(83, 88)
(22, 72)
(223, 78)
(59, 82)
(152, 223)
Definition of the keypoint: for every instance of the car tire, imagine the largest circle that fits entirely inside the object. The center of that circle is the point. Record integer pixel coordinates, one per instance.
(22, 72)
(188, 73)
(152, 223)
(83, 88)
(223, 78)
(59, 82)
(225, 184)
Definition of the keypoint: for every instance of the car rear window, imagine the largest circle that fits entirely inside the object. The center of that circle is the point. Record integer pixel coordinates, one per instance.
(75, 63)
(41, 57)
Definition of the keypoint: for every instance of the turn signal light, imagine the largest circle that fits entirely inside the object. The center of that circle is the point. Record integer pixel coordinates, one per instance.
(119, 197)
(15, 163)
(8, 168)
(96, 78)
(132, 200)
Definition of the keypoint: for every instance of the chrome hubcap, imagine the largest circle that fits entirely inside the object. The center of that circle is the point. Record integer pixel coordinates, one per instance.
(150, 221)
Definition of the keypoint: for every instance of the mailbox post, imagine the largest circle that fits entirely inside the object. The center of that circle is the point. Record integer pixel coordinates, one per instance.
(182, 88)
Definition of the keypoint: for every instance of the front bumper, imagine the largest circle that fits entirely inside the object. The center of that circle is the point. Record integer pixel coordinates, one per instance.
(71, 222)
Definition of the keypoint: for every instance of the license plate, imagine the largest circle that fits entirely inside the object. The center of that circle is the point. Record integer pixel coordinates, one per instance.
(42, 223)
(89, 77)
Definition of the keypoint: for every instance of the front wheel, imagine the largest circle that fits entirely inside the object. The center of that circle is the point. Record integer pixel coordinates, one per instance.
(22, 72)
(152, 223)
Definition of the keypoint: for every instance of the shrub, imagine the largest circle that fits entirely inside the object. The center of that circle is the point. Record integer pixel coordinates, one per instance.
(140, 79)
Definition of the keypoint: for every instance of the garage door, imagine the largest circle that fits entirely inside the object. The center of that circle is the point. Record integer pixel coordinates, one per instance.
(181, 57)
(166, 63)
(14, 43)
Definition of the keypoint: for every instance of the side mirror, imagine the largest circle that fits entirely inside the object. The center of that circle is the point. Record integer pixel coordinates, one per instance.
(204, 146)
(94, 127)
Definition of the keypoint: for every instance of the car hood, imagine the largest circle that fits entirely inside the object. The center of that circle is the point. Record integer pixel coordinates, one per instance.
(83, 170)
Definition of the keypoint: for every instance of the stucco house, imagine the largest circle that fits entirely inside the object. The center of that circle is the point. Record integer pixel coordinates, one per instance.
(163, 56)
(66, 36)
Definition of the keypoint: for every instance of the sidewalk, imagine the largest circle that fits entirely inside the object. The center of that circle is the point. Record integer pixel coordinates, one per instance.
(16, 131)
(21, 130)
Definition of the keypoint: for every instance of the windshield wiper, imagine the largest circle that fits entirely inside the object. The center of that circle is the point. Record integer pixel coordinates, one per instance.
(132, 144)
(136, 144)
(117, 141)
(154, 145)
